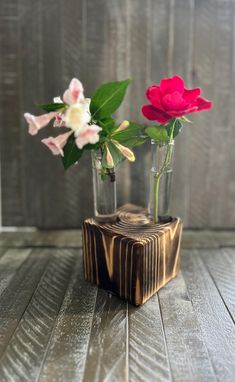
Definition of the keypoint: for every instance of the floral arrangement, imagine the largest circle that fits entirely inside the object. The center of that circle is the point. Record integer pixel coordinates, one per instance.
(89, 125)
(170, 102)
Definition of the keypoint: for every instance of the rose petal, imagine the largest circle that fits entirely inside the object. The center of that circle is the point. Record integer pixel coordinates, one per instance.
(169, 85)
(174, 101)
(154, 114)
(153, 94)
(203, 104)
(190, 95)
(180, 113)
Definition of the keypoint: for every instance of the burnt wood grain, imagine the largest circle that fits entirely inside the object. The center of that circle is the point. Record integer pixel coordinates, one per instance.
(132, 257)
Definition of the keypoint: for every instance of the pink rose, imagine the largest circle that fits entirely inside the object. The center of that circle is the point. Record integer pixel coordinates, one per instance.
(88, 134)
(56, 144)
(74, 93)
(38, 122)
(171, 99)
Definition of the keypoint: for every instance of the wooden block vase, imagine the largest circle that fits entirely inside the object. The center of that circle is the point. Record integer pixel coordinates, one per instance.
(132, 257)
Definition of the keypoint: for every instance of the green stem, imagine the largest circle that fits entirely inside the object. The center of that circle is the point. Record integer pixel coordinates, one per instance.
(158, 176)
(156, 192)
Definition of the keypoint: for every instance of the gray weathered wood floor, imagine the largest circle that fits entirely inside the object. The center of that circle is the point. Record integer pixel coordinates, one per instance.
(56, 327)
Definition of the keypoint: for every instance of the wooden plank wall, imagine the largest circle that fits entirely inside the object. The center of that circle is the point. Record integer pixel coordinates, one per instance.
(45, 43)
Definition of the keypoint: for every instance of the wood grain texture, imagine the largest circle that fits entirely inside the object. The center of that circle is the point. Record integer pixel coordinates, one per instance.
(216, 323)
(67, 352)
(24, 354)
(15, 298)
(10, 261)
(97, 41)
(180, 58)
(10, 85)
(107, 354)
(184, 339)
(132, 257)
(221, 267)
(55, 326)
(147, 344)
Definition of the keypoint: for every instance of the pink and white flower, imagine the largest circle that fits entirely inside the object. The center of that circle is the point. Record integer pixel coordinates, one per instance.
(78, 115)
(57, 100)
(59, 120)
(127, 153)
(38, 122)
(56, 144)
(88, 134)
(74, 93)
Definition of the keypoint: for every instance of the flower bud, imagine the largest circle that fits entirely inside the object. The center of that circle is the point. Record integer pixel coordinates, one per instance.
(127, 153)
(109, 158)
(122, 126)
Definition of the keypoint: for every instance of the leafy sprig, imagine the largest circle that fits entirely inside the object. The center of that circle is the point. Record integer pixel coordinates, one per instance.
(104, 103)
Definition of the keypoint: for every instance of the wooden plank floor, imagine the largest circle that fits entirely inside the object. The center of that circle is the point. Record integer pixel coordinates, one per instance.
(54, 326)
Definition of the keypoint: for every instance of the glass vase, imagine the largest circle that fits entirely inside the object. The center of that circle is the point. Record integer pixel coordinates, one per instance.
(160, 182)
(104, 189)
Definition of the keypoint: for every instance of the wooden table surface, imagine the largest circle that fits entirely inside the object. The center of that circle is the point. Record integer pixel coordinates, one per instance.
(54, 326)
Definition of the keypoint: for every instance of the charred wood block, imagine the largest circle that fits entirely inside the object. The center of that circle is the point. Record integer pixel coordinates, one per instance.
(132, 257)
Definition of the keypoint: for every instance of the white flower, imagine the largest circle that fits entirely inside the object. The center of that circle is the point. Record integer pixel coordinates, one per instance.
(78, 115)
(57, 144)
(74, 93)
(38, 122)
(57, 100)
(89, 134)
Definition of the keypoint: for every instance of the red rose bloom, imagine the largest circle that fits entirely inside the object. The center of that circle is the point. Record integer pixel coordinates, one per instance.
(171, 99)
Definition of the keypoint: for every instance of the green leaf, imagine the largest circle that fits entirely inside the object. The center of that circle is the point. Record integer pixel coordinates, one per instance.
(71, 153)
(51, 106)
(177, 128)
(130, 143)
(130, 132)
(107, 124)
(157, 133)
(108, 98)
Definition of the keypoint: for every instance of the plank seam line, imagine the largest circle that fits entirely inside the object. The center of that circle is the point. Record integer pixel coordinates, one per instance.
(127, 342)
(164, 338)
(89, 337)
(199, 325)
(14, 331)
(212, 278)
(31, 246)
(53, 327)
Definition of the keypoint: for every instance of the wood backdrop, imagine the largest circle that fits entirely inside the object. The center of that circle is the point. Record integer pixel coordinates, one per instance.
(45, 43)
